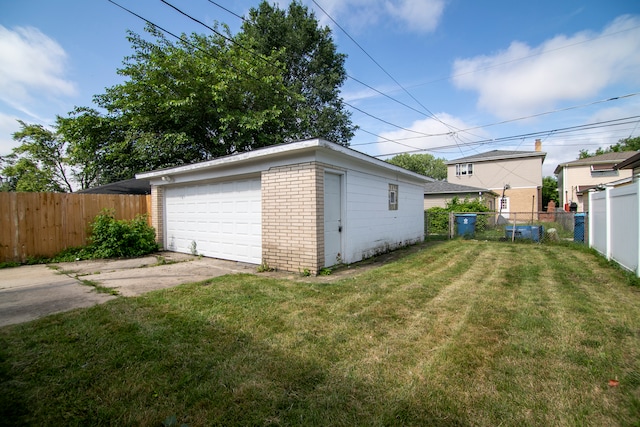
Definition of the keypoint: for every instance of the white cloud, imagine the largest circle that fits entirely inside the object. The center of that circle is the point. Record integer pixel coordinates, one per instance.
(415, 15)
(436, 135)
(419, 15)
(32, 66)
(525, 80)
(8, 125)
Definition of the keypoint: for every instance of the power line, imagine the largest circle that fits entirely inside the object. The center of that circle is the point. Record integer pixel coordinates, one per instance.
(520, 59)
(227, 10)
(615, 98)
(559, 131)
(382, 68)
(257, 55)
(354, 79)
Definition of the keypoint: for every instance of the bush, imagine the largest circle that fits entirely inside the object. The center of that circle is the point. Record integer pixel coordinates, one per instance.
(112, 238)
(438, 218)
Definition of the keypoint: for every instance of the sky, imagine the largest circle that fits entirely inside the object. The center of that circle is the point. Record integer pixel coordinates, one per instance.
(451, 78)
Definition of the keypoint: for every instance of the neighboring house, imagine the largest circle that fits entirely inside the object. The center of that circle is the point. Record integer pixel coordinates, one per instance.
(294, 207)
(129, 186)
(438, 193)
(632, 163)
(516, 176)
(576, 178)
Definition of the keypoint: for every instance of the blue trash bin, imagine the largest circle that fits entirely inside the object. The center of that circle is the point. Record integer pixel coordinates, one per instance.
(466, 224)
(578, 227)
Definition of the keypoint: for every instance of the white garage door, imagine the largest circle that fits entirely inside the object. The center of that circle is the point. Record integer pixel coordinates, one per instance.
(220, 220)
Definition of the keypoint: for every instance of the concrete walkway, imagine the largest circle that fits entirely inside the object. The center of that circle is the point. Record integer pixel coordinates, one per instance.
(31, 292)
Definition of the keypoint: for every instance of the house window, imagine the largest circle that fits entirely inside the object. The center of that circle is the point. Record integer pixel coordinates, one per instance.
(603, 170)
(464, 169)
(393, 197)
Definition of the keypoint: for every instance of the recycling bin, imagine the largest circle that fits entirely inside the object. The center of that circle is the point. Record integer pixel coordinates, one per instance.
(578, 227)
(466, 224)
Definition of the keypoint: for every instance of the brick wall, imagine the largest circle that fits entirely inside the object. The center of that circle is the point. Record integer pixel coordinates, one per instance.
(292, 217)
(521, 199)
(157, 213)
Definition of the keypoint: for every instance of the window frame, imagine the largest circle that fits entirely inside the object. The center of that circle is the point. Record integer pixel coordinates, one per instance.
(393, 197)
(464, 169)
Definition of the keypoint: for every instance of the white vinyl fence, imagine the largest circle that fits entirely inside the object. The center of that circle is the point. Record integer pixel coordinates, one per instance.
(614, 225)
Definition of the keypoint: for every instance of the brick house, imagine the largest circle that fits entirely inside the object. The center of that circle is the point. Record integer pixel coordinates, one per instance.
(299, 206)
(515, 174)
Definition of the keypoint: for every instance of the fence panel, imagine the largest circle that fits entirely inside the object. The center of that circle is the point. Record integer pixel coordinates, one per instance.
(616, 226)
(43, 224)
(624, 226)
(598, 222)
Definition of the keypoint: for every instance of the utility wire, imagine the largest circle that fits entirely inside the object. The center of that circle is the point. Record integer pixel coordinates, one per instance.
(573, 107)
(559, 131)
(257, 55)
(227, 10)
(433, 116)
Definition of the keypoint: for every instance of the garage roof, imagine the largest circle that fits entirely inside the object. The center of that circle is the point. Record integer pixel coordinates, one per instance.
(274, 152)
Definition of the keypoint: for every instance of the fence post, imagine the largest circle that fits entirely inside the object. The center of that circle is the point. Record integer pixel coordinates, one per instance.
(607, 218)
(451, 225)
(638, 235)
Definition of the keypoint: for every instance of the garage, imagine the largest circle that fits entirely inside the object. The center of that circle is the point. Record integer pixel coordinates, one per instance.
(216, 219)
(296, 207)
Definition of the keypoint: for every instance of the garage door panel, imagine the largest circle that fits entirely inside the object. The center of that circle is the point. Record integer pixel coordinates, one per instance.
(224, 219)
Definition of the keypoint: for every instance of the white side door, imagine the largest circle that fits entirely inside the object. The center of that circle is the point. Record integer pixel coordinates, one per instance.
(332, 219)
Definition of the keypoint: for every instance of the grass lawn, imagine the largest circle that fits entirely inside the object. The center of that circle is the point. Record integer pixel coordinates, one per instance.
(459, 333)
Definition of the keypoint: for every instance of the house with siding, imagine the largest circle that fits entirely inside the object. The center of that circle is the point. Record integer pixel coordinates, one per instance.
(633, 164)
(577, 177)
(295, 207)
(439, 193)
(514, 176)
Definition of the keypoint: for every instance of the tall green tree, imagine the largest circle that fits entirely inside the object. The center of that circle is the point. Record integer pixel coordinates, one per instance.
(39, 163)
(549, 190)
(424, 164)
(313, 68)
(206, 96)
(625, 144)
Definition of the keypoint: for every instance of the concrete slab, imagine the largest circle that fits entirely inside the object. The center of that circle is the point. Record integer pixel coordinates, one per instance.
(137, 281)
(30, 292)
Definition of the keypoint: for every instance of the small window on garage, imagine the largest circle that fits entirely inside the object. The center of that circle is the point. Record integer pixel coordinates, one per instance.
(393, 197)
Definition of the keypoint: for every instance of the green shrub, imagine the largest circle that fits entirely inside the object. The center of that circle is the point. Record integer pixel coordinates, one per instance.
(438, 218)
(112, 238)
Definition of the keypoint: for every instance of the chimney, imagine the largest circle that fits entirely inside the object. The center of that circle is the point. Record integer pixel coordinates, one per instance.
(538, 145)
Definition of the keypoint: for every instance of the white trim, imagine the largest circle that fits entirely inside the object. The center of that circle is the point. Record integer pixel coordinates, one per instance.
(271, 152)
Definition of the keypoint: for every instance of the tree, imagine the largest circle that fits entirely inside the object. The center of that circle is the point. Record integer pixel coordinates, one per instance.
(313, 68)
(424, 164)
(206, 96)
(625, 144)
(549, 190)
(38, 163)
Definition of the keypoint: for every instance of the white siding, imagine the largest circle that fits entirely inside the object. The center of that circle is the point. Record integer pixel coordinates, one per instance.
(371, 228)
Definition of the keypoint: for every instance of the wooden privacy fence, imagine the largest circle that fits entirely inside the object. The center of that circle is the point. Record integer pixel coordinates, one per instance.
(43, 224)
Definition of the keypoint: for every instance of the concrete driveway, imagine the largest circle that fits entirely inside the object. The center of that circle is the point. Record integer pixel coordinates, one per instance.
(31, 292)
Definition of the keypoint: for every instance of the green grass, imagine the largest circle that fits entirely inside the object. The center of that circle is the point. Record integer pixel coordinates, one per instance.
(460, 333)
